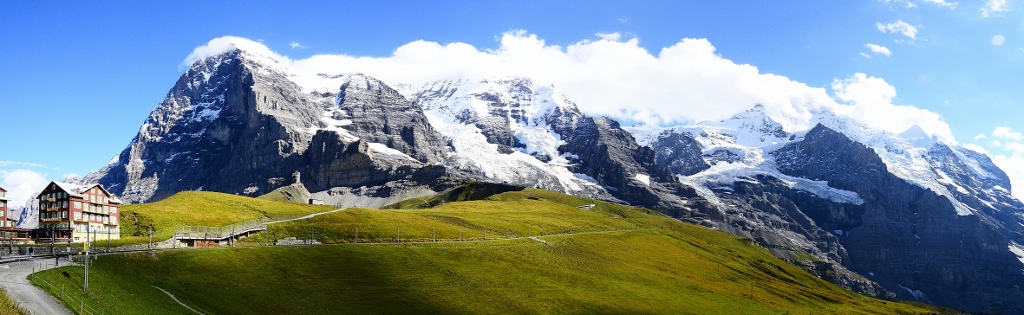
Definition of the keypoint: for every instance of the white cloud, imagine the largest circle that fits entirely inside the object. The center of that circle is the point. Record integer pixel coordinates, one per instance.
(684, 83)
(993, 8)
(869, 101)
(898, 27)
(1013, 165)
(904, 3)
(609, 36)
(943, 3)
(878, 49)
(21, 185)
(5, 163)
(980, 136)
(998, 40)
(1011, 158)
(224, 44)
(295, 45)
(865, 55)
(1016, 148)
(1007, 133)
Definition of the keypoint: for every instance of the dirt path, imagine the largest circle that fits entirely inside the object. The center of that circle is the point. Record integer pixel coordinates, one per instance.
(178, 301)
(307, 216)
(14, 279)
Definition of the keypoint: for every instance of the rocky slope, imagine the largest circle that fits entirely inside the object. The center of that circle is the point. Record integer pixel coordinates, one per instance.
(237, 122)
(924, 219)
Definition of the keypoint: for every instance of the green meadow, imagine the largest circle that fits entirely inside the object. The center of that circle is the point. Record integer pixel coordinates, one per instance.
(542, 254)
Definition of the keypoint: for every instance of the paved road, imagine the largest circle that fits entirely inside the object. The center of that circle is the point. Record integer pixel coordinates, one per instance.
(14, 279)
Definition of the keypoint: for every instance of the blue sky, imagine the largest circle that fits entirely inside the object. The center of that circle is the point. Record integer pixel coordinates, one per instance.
(80, 78)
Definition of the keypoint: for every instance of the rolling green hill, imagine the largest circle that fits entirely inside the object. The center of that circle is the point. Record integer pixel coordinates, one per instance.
(201, 208)
(608, 259)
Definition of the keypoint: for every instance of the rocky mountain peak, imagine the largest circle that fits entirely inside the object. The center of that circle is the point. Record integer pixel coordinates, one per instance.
(361, 88)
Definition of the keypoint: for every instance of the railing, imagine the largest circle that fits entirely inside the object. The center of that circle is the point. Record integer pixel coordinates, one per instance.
(219, 232)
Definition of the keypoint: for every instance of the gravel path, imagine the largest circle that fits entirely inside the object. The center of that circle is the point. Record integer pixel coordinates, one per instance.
(307, 216)
(178, 301)
(14, 279)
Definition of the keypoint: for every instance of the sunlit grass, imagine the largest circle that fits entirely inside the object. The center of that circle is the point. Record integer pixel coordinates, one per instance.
(619, 260)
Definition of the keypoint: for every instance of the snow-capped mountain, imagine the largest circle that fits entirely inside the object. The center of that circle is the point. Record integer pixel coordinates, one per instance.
(877, 212)
(896, 208)
(240, 122)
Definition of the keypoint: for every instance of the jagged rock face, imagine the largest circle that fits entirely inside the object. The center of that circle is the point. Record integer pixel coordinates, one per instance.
(382, 115)
(227, 127)
(332, 162)
(788, 222)
(680, 153)
(235, 124)
(611, 155)
(907, 238)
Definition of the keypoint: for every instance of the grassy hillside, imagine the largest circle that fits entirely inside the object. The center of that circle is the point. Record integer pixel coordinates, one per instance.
(466, 192)
(202, 208)
(8, 307)
(610, 259)
(295, 193)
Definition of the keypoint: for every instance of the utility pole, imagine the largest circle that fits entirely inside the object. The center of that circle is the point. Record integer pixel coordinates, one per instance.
(86, 286)
(56, 261)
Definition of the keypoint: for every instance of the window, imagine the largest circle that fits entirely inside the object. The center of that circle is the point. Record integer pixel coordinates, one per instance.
(113, 220)
(78, 215)
(1, 213)
(64, 215)
(113, 210)
(78, 205)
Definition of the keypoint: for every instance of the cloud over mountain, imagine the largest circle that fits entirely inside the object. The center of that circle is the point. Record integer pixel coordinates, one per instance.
(617, 77)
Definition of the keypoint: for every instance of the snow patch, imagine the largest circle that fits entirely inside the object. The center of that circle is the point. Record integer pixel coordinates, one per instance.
(916, 293)
(382, 149)
(643, 178)
(1018, 250)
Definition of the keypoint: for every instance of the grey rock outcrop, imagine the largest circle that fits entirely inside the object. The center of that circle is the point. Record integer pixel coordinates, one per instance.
(235, 124)
(910, 239)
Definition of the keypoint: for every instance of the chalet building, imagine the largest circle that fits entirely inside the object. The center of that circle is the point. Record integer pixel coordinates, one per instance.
(5, 219)
(9, 232)
(71, 212)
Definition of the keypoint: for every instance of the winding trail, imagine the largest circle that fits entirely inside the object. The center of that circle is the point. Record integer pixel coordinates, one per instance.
(14, 279)
(178, 301)
(307, 216)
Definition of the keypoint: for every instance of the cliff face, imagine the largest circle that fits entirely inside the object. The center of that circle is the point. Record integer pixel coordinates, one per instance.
(235, 124)
(908, 238)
